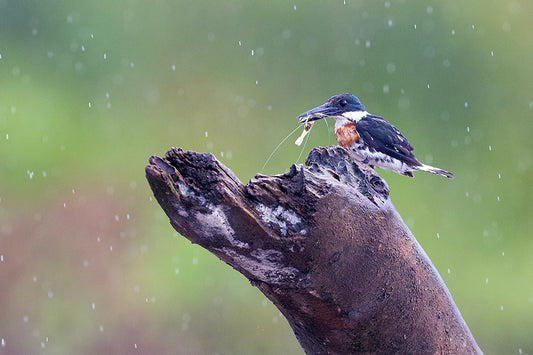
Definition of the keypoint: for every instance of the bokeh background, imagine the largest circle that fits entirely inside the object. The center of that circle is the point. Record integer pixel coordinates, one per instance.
(90, 89)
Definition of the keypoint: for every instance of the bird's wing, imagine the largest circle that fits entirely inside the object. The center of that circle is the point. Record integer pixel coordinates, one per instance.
(385, 138)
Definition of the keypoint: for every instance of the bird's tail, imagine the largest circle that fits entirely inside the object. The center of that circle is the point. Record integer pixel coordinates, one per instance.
(437, 171)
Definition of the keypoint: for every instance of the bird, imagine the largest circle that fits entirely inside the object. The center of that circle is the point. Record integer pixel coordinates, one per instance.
(370, 138)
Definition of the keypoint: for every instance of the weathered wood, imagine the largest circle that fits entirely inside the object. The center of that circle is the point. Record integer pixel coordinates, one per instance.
(325, 244)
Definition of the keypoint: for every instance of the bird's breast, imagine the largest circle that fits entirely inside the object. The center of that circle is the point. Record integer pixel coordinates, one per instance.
(346, 135)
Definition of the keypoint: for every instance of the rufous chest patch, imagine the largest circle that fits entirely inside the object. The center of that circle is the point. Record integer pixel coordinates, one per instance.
(346, 135)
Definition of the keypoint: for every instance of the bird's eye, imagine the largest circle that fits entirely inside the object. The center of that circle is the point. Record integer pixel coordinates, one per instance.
(343, 102)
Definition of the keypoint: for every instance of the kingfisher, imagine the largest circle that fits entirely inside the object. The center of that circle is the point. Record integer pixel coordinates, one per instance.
(371, 139)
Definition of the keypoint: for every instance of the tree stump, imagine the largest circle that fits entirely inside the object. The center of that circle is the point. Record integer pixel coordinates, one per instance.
(325, 244)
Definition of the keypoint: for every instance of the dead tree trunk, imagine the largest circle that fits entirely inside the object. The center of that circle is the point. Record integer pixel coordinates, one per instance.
(325, 244)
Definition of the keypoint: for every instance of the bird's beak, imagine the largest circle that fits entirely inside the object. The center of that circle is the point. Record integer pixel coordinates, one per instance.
(318, 113)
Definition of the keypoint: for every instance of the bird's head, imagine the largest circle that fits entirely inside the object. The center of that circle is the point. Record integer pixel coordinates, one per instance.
(336, 106)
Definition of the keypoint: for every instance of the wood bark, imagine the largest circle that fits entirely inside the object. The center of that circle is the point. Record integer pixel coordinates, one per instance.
(325, 244)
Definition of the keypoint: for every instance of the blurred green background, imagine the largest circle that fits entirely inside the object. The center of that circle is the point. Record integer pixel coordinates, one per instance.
(90, 89)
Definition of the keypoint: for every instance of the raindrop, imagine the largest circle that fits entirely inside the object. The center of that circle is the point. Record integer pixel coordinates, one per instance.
(468, 129)
(135, 346)
(466, 104)
(438, 236)
(390, 23)
(173, 68)
(429, 10)
(64, 204)
(387, 4)
(101, 328)
(449, 271)
(50, 294)
(240, 43)
(428, 85)
(386, 89)
(367, 43)
(90, 105)
(105, 55)
(0, 55)
(501, 308)
(110, 248)
(2, 258)
(256, 82)
(499, 176)
(176, 271)
(503, 253)
(128, 216)
(92, 36)
(490, 148)
(25, 319)
(294, 7)
(498, 198)
(83, 48)
(453, 32)
(473, 26)
(116, 217)
(467, 194)
(132, 64)
(253, 52)
(205, 134)
(3, 342)
(7, 136)
(414, 26)
(93, 305)
(506, 26)
(487, 280)
(492, 53)
(34, 32)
